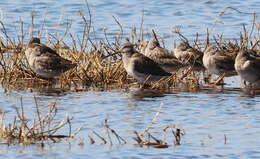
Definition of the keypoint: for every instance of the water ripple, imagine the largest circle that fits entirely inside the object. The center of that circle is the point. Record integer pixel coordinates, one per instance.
(205, 116)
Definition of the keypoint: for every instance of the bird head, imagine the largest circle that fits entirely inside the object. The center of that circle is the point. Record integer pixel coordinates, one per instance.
(128, 48)
(34, 40)
(183, 46)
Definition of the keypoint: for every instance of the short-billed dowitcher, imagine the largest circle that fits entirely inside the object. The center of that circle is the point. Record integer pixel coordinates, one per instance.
(162, 56)
(217, 62)
(44, 61)
(189, 55)
(247, 65)
(142, 68)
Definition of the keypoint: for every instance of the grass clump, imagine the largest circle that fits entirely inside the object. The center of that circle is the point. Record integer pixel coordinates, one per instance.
(43, 127)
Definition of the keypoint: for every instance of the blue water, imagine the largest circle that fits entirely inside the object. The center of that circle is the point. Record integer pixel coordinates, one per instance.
(191, 17)
(206, 116)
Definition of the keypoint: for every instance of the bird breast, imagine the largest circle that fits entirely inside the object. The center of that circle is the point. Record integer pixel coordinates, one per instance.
(128, 65)
(30, 56)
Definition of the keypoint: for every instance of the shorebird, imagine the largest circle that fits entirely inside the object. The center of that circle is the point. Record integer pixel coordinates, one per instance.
(218, 63)
(142, 68)
(189, 55)
(162, 56)
(44, 61)
(247, 65)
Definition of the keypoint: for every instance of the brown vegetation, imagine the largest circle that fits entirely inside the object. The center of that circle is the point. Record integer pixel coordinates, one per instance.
(27, 131)
(99, 62)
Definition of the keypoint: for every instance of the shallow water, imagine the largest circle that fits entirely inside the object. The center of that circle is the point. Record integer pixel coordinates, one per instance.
(206, 116)
(191, 17)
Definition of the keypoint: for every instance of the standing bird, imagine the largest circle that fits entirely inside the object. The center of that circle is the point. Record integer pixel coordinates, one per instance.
(189, 55)
(163, 57)
(247, 65)
(44, 61)
(218, 63)
(142, 68)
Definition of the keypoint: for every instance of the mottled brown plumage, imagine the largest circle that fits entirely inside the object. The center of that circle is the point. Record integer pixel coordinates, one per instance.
(217, 62)
(188, 55)
(140, 67)
(247, 65)
(162, 56)
(44, 61)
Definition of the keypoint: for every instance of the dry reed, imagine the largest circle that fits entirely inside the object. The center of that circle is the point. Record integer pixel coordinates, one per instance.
(43, 127)
(99, 62)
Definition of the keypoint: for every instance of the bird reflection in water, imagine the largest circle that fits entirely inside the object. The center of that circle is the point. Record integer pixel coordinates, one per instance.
(141, 94)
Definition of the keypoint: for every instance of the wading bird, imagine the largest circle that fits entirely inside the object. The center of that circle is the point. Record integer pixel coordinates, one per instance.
(44, 61)
(162, 56)
(247, 65)
(142, 68)
(218, 63)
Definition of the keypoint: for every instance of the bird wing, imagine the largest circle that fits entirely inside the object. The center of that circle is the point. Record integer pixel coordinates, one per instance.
(53, 61)
(255, 66)
(163, 53)
(146, 65)
(170, 62)
(46, 49)
(39, 49)
(224, 63)
(158, 53)
(164, 57)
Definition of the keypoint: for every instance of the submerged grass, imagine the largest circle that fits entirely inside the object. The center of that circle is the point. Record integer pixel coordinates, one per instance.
(42, 128)
(45, 128)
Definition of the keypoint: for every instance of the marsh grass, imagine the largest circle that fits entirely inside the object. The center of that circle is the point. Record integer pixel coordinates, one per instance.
(25, 130)
(145, 138)
(109, 136)
(99, 64)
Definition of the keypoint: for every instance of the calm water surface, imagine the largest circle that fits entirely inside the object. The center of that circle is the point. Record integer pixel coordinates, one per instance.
(205, 116)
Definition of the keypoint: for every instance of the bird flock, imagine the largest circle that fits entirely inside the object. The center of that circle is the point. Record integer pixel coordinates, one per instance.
(150, 62)
(153, 61)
